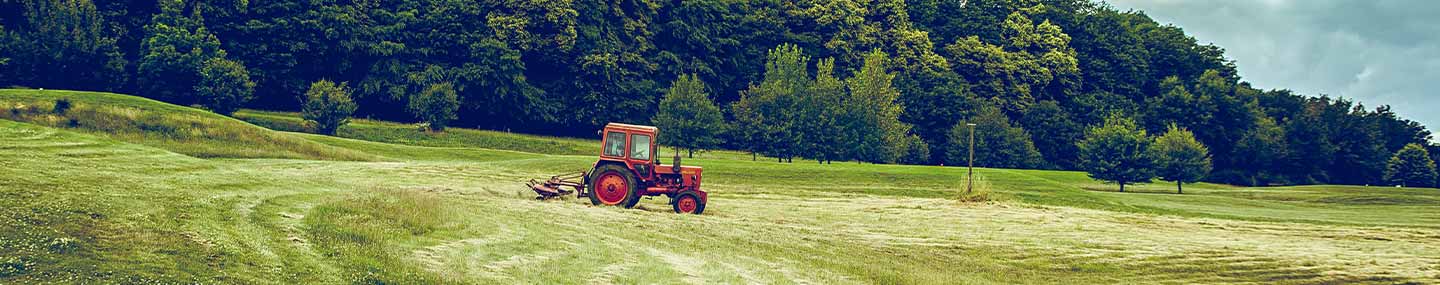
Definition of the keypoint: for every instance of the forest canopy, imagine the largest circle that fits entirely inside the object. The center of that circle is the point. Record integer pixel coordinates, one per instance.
(1048, 69)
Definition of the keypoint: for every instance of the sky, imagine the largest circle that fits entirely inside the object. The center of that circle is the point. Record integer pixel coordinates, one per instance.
(1381, 52)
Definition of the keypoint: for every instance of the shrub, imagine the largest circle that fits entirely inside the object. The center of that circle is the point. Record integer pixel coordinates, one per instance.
(917, 152)
(327, 106)
(62, 105)
(437, 105)
(224, 86)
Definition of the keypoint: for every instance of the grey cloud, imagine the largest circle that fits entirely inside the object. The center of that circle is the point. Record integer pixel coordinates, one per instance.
(1384, 52)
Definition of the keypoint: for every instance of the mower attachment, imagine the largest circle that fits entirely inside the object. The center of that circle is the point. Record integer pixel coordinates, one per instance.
(553, 188)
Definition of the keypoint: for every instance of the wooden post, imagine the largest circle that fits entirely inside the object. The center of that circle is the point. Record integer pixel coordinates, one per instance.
(970, 176)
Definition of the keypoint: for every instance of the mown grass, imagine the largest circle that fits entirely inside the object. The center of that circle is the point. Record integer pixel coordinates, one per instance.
(355, 232)
(81, 206)
(183, 130)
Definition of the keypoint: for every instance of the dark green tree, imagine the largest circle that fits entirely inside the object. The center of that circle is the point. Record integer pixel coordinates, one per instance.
(1258, 152)
(1179, 157)
(436, 105)
(916, 151)
(688, 119)
(819, 114)
(224, 86)
(1117, 152)
(1054, 133)
(175, 48)
(933, 102)
(327, 106)
(1411, 167)
(61, 44)
(1176, 106)
(872, 121)
(765, 114)
(998, 144)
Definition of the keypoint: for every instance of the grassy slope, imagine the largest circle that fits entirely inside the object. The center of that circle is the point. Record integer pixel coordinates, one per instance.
(82, 207)
(175, 128)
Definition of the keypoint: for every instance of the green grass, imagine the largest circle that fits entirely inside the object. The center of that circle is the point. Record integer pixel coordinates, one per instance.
(82, 205)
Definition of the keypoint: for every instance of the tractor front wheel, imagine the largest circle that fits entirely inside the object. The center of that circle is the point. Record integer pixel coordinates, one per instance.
(688, 203)
(613, 186)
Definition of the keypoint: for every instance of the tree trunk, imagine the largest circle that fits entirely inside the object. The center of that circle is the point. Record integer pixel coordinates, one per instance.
(1122, 186)
(1179, 187)
(691, 153)
(752, 156)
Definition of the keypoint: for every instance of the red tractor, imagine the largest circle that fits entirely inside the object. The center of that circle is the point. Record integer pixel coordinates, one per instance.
(627, 170)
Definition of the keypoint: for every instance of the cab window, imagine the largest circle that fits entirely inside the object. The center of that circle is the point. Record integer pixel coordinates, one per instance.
(615, 144)
(640, 147)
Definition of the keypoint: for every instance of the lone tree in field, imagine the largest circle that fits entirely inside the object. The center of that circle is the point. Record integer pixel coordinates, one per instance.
(327, 106)
(1411, 166)
(436, 105)
(689, 119)
(1180, 158)
(224, 86)
(1116, 152)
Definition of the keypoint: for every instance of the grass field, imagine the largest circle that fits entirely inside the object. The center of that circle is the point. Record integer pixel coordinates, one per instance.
(389, 204)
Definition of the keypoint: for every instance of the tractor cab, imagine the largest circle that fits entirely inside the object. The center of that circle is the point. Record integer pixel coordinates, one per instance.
(632, 145)
(629, 168)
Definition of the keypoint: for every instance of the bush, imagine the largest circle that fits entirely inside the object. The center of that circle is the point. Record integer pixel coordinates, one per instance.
(917, 152)
(62, 105)
(224, 86)
(436, 105)
(327, 106)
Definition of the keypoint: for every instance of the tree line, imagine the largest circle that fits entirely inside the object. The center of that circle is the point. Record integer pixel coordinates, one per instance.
(1034, 75)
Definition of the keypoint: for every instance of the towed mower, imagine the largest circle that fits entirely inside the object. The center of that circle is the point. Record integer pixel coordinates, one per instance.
(626, 171)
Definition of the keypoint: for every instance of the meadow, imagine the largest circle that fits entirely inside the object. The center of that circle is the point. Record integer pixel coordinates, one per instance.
(126, 190)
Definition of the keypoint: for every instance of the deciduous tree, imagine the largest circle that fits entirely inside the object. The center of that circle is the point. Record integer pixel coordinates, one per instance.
(175, 48)
(1411, 167)
(687, 118)
(327, 106)
(1116, 152)
(997, 143)
(873, 120)
(224, 86)
(436, 105)
(1179, 157)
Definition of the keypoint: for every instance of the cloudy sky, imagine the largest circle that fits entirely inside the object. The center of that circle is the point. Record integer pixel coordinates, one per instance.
(1383, 52)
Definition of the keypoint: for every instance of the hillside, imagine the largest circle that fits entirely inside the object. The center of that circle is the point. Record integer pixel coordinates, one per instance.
(178, 129)
(88, 206)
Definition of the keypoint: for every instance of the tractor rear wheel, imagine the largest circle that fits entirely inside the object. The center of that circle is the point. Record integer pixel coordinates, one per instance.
(613, 185)
(688, 203)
